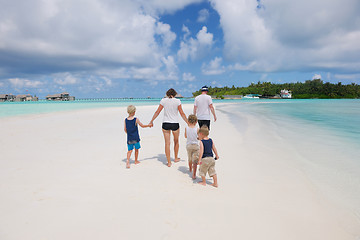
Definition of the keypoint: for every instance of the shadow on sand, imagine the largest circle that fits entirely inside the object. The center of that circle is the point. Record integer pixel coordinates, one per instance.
(160, 157)
(185, 170)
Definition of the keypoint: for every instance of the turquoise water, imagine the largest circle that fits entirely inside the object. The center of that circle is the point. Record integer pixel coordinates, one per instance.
(9, 109)
(340, 116)
(320, 138)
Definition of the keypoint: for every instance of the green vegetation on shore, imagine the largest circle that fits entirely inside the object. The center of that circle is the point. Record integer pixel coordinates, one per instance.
(309, 89)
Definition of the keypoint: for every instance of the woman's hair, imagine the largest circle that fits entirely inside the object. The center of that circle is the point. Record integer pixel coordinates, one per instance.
(171, 92)
(131, 109)
(192, 119)
(204, 130)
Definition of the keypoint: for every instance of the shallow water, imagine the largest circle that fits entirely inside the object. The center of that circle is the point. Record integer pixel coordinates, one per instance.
(341, 116)
(324, 138)
(8, 109)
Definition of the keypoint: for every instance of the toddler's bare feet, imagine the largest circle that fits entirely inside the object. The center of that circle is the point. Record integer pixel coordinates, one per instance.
(214, 185)
(193, 177)
(137, 162)
(202, 183)
(127, 164)
(177, 160)
(169, 164)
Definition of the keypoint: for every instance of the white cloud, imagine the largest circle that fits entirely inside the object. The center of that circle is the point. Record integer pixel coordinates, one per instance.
(94, 84)
(101, 34)
(107, 81)
(204, 37)
(216, 84)
(20, 83)
(195, 48)
(188, 77)
(203, 15)
(167, 35)
(241, 67)
(186, 31)
(167, 71)
(214, 67)
(316, 76)
(65, 79)
(165, 6)
(190, 88)
(280, 36)
(171, 68)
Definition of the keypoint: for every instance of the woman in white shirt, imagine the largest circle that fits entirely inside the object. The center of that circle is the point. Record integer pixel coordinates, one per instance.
(172, 107)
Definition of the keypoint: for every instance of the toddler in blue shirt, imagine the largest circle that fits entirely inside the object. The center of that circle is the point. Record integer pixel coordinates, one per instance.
(133, 138)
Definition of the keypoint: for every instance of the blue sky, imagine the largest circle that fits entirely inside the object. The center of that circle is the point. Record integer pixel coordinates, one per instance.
(107, 48)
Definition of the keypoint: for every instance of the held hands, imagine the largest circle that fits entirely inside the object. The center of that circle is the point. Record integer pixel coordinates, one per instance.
(151, 124)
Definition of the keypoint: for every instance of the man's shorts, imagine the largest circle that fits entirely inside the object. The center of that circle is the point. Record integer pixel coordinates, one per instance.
(170, 126)
(207, 166)
(193, 153)
(204, 122)
(135, 145)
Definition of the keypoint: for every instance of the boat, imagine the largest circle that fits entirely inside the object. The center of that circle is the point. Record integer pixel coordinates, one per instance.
(251, 96)
(285, 94)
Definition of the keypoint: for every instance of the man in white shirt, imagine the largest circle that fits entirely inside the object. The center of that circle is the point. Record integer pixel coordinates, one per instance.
(202, 107)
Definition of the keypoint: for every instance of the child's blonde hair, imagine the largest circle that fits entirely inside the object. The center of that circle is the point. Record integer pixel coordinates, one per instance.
(204, 130)
(131, 109)
(192, 119)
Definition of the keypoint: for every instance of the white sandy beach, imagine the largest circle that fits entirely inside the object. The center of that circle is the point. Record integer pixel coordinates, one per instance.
(63, 176)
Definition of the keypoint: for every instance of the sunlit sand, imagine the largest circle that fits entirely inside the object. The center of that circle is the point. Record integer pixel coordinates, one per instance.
(63, 176)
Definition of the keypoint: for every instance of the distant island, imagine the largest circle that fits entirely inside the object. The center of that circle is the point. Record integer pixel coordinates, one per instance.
(301, 90)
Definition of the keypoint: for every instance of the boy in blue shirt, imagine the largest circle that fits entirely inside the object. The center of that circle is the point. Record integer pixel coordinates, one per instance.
(206, 156)
(133, 138)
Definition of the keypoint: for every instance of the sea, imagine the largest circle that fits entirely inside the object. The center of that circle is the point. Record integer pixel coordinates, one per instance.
(11, 109)
(325, 131)
(321, 137)
(340, 116)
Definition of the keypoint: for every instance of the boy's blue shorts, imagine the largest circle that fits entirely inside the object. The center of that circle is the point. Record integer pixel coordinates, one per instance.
(135, 145)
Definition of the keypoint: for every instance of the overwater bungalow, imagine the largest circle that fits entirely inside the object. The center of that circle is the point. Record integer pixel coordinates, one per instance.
(7, 97)
(60, 97)
(25, 97)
